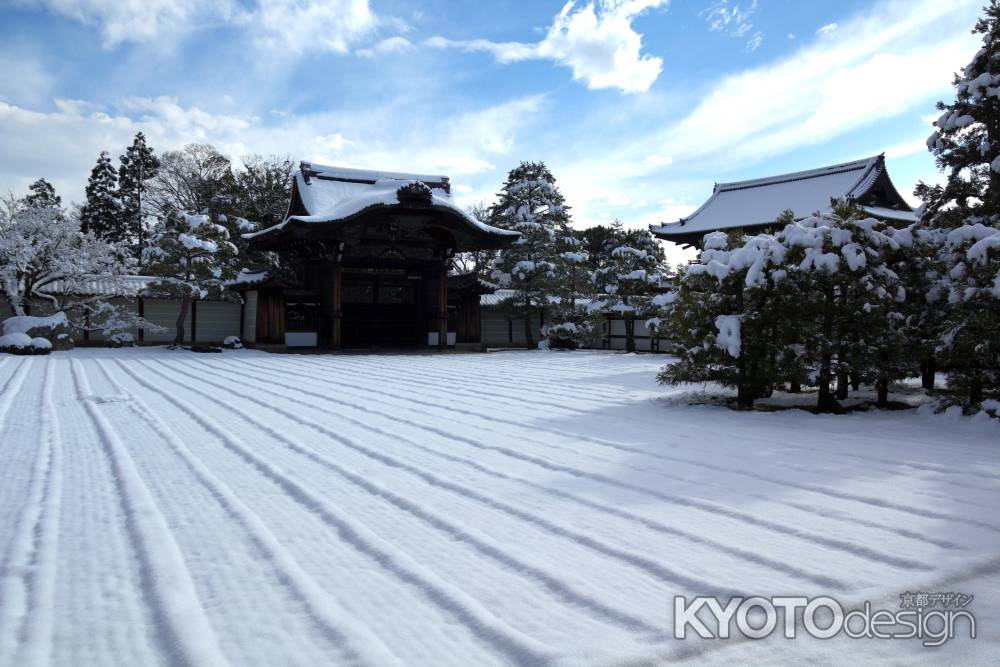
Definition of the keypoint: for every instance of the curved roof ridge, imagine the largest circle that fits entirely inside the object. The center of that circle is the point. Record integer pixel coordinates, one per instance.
(865, 164)
(353, 174)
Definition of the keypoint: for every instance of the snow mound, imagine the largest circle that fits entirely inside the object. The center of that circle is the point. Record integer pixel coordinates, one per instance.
(25, 323)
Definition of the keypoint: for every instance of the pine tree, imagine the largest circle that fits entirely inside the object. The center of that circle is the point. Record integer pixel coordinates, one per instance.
(721, 313)
(569, 324)
(194, 258)
(966, 145)
(102, 214)
(43, 195)
(136, 166)
(628, 275)
(971, 327)
(531, 204)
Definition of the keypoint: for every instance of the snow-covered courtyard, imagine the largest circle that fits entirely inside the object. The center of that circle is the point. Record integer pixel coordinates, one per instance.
(510, 508)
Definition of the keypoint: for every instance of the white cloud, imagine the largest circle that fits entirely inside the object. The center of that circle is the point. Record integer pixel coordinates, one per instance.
(63, 144)
(754, 42)
(723, 16)
(24, 79)
(139, 20)
(901, 54)
(596, 40)
(387, 46)
(656, 160)
(291, 26)
(827, 29)
(906, 148)
(310, 25)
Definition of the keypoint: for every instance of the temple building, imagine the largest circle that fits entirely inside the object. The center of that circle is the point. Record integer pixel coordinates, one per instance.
(367, 257)
(753, 206)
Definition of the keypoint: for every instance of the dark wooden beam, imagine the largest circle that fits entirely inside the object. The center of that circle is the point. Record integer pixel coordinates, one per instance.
(337, 313)
(443, 307)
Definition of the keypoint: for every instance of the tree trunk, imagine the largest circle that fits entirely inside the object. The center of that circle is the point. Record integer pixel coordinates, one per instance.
(744, 396)
(629, 333)
(882, 385)
(927, 371)
(825, 401)
(179, 335)
(529, 338)
(976, 390)
(855, 382)
(794, 387)
(842, 380)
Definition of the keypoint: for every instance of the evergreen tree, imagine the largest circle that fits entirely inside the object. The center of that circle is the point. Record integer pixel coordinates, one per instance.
(569, 324)
(43, 195)
(971, 328)
(721, 312)
(966, 145)
(628, 274)
(194, 258)
(531, 204)
(816, 302)
(136, 166)
(102, 214)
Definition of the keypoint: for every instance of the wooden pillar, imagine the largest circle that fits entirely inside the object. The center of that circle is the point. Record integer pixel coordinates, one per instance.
(142, 314)
(443, 308)
(337, 313)
(194, 320)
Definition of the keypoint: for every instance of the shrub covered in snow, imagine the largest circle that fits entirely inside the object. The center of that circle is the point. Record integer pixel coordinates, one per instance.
(121, 340)
(566, 335)
(53, 328)
(21, 343)
(232, 343)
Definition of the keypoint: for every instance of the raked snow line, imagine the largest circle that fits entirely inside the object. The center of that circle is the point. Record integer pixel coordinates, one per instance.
(39, 626)
(26, 587)
(608, 444)
(706, 506)
(651, 567)
(361, 641)
(516, 645)
(168, 581)
(602, 442)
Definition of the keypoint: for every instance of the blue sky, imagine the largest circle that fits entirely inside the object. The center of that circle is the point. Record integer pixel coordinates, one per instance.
(637, 106)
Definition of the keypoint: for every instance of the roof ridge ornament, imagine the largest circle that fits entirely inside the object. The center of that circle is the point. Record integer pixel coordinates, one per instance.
(414, 192)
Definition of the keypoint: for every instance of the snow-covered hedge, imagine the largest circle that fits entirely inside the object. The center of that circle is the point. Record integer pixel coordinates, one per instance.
(53, 330)
(22, 343)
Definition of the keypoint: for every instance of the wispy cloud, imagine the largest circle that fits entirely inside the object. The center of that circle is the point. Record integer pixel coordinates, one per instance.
(596, 40)
(62, 144)
(827, 29)
(733, 18)
(293, 26)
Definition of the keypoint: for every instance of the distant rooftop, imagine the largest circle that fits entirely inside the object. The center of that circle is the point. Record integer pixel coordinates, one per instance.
(759, 202)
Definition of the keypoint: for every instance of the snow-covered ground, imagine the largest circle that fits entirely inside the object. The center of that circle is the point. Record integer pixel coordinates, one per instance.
(509, 508)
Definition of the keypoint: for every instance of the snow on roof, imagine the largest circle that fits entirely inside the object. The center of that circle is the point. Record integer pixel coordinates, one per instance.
(103, 286)
(130, 286)
(330, 194)
(760, 201)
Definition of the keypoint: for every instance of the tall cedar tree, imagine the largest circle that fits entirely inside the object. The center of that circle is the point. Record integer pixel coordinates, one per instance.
(194, 258)
(43, 195)
(531, 204)
(102, 214)
(137, 165)
(966, 146)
